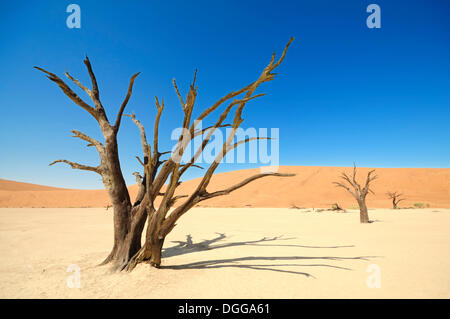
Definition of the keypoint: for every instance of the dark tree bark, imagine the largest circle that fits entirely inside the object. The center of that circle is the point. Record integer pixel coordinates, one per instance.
(363, 212)
(109, 168)
(161, 177)
(359, 193)
(396, 198)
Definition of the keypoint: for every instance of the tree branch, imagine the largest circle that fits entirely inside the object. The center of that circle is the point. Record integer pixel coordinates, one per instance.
(78, 166)
(203, 131)
(368, 181)
(125, 102)
(213, 128)
(89, 92)
(70, 94)
(160, 108)
(204, 196)
(237, 121)
(93, 142)
(95, 91)
(347, 188)
(183, 105)
(143, 136)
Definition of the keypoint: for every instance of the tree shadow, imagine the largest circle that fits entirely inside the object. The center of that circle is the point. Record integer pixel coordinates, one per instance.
(231, 263)
(188, 246)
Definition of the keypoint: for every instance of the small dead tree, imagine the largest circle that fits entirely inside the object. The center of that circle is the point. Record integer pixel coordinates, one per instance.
(336, 207)
(350, 184)
(161, 177)
(396, 198)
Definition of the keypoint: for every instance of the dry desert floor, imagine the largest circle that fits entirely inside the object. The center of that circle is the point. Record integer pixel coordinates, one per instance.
(232, 253)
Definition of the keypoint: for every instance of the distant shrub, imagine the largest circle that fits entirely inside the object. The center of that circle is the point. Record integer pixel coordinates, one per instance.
(421, 205)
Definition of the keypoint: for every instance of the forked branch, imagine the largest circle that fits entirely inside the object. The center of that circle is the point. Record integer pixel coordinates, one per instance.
(92, 142)
(68, 91)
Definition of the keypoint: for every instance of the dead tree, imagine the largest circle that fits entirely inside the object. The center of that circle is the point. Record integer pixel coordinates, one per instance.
(359, 193)
(161, 177)
(396, 198)
(336, 207)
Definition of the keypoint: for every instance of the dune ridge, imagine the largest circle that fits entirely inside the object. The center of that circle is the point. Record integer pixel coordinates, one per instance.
(311, 187)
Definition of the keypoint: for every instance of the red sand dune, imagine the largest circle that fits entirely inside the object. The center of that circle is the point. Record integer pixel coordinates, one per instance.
(311, 187)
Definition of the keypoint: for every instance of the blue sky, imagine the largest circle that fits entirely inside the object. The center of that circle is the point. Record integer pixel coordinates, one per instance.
(345, 93)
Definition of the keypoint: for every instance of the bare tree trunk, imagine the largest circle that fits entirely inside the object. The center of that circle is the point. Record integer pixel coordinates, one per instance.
(127, 245)
(394, 204)
(363, 212)
(124, 246)
(125, 242)
(156, 250)
(358, 192)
